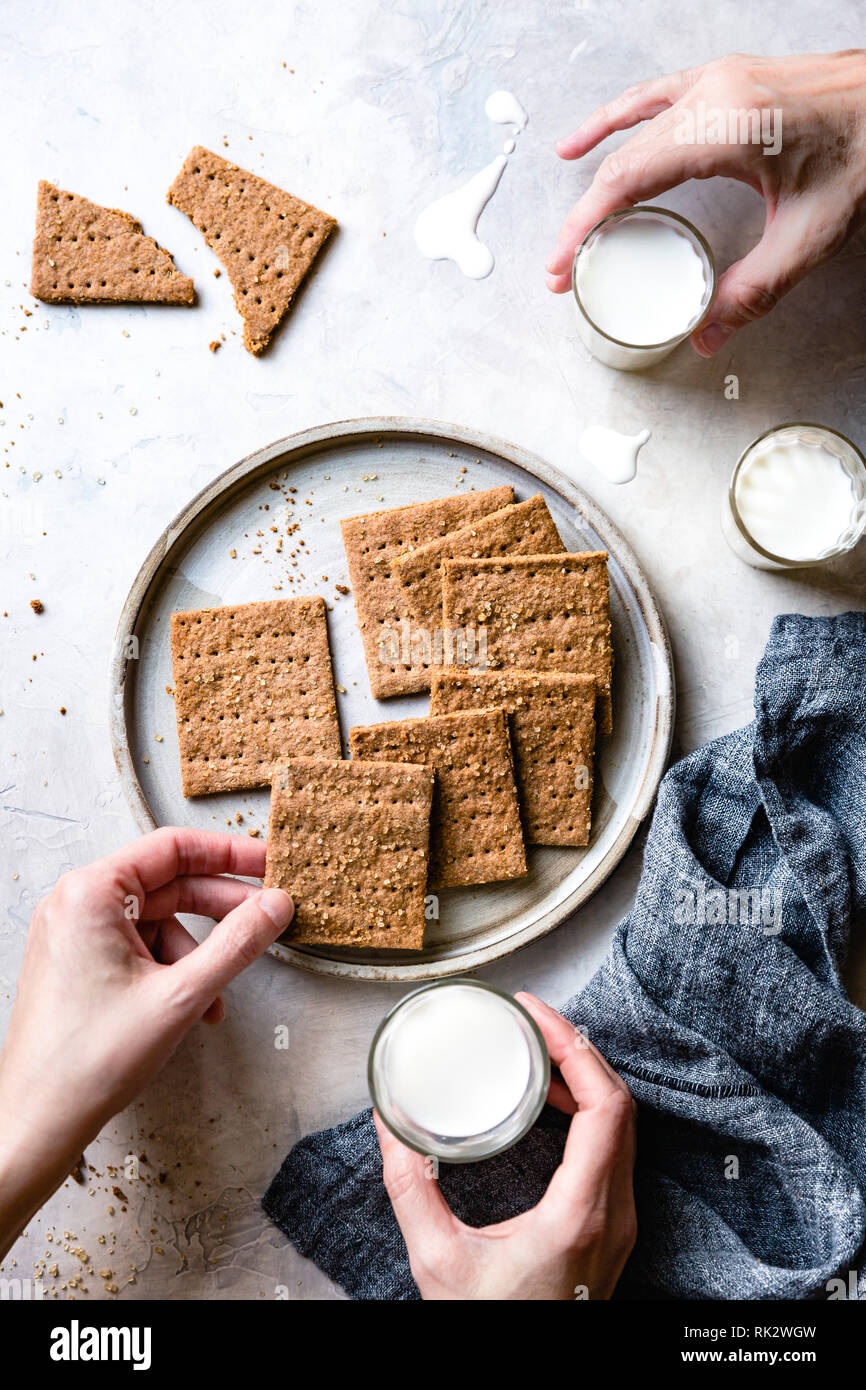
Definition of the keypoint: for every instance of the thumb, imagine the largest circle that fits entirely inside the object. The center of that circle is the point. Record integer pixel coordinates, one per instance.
(794, 241)
(423, 1215)
(233, 944)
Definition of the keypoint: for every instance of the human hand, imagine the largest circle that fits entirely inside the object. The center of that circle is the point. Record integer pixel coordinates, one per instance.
(109, 984)
(814, 188)
(580, 1233)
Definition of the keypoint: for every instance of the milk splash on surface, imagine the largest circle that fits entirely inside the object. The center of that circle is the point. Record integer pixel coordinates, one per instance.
(446, 230)
(612, 453)
(505, 109)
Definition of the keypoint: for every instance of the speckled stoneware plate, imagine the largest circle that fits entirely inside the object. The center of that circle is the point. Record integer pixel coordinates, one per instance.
(341, 470)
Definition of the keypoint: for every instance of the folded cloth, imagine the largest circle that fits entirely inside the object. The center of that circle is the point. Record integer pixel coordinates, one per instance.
(721, 1003)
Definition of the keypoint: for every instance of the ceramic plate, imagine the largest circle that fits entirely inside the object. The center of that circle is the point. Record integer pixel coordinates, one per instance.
(341, 470)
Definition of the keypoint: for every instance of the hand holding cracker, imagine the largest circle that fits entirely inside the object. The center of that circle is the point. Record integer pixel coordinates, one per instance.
(110, 984)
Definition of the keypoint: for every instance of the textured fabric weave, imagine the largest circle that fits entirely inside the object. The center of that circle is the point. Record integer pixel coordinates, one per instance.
(721, 1003)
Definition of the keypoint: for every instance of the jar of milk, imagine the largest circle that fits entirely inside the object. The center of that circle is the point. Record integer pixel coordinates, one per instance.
(458, 1070)
(643, 279)
(797, 497)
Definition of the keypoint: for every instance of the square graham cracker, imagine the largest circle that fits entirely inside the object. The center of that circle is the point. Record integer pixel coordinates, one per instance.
(373, 542)
(266, 238)
(540, 612)
(552, 720)
(526, 528)
(252, 683)
(349, 841)
(87, 254)
(476, 836)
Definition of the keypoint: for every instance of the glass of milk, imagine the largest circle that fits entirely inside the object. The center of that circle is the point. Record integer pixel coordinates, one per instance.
(797, 497)
(458, 1070)
(643, 279)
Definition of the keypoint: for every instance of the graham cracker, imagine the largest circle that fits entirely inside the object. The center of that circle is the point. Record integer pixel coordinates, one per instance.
(552, 719)
(396, 650)
(526, 528)
(476, 835)
(266, 238)
(87, 254)
(540, 613)
(252, 683)
(349, 841)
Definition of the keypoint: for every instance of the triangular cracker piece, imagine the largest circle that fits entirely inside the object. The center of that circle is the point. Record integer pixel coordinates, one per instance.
(87, 254)
(266, 239)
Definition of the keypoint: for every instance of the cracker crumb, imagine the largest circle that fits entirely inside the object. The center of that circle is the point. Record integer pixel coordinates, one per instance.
(37, 605)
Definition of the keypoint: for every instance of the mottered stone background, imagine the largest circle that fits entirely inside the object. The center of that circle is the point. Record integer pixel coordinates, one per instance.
(369, 110)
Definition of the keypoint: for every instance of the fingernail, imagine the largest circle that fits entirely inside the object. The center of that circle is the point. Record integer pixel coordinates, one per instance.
(527, 994)
(277, 905)
(711, 338)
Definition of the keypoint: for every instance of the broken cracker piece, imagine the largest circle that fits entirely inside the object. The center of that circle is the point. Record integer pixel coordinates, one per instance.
(350, 841)
(253, 683)
(266, 238)
(87, 254)
(552, 721)
(476, 835)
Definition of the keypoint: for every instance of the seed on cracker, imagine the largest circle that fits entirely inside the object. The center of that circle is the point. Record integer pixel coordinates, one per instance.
(87, 254)
(372, 544)
(552, 721)
(539, 613)
(266, 239)
(475, 835)
(253, 683)
(525, 528)
(349, 841)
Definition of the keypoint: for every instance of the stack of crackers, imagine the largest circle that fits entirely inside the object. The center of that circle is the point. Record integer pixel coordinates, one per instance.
(471, 597)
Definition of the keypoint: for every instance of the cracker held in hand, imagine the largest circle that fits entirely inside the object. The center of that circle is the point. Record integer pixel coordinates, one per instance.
(266, 239)
(399, 653)
(87, 254)
(552, 719)
(252, 683)
(476, 835)
(349, 841)
(527, 528)
(540, 612)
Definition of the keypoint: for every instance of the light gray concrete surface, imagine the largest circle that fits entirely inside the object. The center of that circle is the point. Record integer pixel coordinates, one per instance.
(369, 110)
